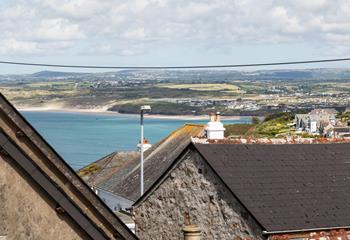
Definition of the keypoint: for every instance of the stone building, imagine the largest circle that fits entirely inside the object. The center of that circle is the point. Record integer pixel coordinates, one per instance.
(41, 197)
(250, 191)
(314, 121)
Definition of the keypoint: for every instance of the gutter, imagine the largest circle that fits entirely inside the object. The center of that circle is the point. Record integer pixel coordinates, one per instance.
(110, 192)
(303, 230)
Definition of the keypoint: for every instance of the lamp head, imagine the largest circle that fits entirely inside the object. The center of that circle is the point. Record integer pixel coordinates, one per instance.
(145, 108)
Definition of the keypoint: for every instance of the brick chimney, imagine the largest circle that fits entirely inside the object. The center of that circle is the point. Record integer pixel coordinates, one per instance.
(215, 129)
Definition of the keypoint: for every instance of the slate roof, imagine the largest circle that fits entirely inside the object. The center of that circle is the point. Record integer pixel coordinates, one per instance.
(24, 145)
(98, 172)
(289, 186)
(126, 181)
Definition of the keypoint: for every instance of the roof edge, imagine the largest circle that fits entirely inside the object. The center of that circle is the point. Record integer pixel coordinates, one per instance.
(61, 166)
(162, 178)
(304, 230)
(45, 182)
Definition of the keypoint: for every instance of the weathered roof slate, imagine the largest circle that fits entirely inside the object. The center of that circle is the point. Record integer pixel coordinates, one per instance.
(126, 182)
(289, 186)
(97, 172)
(22, 143)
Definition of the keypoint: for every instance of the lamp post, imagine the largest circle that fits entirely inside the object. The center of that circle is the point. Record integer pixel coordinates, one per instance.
(142, 110)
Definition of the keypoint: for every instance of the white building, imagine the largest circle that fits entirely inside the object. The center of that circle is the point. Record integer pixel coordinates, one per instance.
(215, 129)
(314, 121)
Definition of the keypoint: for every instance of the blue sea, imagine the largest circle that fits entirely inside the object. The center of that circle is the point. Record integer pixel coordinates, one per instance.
(82, 138)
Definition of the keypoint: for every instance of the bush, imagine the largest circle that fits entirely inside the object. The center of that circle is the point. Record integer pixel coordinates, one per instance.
(255, 120)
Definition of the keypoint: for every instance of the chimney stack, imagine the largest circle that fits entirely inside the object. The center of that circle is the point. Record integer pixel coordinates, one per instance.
(212, 117)
(191, 232)
(146, 145)
(215, 129)
(217, 117)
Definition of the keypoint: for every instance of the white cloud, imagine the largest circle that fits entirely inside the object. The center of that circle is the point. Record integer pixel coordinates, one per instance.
(12, 46)
(137, 33)
(137, 25)
(58, 29)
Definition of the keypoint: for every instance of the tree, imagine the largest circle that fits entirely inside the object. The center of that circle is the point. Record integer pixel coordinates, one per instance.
(255, 120)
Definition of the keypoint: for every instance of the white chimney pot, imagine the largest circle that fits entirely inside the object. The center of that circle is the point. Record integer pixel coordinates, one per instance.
(215, 129)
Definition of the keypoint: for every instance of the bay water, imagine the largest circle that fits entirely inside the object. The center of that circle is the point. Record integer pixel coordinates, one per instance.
(82, 138)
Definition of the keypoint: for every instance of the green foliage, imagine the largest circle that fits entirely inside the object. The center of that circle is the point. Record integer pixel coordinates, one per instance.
(255, 120)
(88, 170)
(282, 116)
(344, 117)
(237, 129)
(275, 125)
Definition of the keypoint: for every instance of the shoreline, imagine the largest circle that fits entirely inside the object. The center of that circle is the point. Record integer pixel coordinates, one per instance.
(101, 111)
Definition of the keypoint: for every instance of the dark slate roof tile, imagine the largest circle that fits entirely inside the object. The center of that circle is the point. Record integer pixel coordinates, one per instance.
(287, 187)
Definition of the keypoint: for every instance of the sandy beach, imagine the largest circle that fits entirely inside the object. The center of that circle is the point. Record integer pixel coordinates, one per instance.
(104, 111)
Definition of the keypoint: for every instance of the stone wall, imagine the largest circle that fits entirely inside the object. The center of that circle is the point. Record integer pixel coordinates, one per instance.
(193, 189)
(26, 212)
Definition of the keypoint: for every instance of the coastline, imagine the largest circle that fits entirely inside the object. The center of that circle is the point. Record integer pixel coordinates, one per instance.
(103, 111)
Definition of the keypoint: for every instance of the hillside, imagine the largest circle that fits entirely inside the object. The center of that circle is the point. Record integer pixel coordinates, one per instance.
(195, 92)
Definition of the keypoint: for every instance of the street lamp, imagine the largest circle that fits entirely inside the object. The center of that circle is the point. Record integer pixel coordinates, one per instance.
(143, 109)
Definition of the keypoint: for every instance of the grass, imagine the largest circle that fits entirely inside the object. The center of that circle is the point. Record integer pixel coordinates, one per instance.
(242, 129)
(238, 129)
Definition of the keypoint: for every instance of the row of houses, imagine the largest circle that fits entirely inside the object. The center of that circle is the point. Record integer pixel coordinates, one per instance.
(223, 189)
(232, 190)
(322, 122)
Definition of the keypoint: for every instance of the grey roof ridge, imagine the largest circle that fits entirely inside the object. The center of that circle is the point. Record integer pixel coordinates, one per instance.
(109, 155)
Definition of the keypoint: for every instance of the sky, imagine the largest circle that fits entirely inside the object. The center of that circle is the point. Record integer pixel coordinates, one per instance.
(171, 32)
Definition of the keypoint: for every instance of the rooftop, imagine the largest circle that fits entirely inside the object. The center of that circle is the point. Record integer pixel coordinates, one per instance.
(121, 173)
(287, 186)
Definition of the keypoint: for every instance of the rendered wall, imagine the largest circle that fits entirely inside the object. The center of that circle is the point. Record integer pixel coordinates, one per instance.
(26, 212)
(193, 188)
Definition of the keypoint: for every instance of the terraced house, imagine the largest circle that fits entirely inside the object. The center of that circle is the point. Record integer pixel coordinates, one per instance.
(230, 189)
(251, 191)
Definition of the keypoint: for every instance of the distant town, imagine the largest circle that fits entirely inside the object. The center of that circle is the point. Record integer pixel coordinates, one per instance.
(255, 93)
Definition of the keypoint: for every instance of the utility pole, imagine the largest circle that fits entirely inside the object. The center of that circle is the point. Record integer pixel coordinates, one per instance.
(142, 110)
